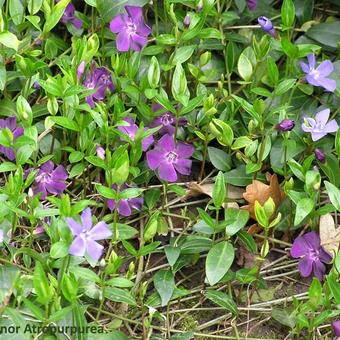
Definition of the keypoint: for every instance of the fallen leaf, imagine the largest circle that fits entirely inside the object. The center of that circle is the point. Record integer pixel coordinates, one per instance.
(329, 235)
(196, 189)
(258, 191)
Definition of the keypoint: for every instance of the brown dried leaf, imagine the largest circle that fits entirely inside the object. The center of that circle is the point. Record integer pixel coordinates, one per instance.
(329, 235)
(196, 189)
(258, 191)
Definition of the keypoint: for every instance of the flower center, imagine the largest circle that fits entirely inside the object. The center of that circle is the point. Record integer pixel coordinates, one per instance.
(319, 126)
(86, 233)
(131, 28)
(43, 178)
(314, 254)
(171, 157)
(166, 119)
(314, 73)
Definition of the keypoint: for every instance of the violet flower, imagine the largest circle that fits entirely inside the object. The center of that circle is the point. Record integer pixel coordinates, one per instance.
(319, 127)
(312, 255)
(50, 180)
(86, 236)
(125, 206)
(318, 76)
(187, 20)
(252, 4)
(1, 236)
(167, 120)
(11, 124)
(267, 25)
(319, 155)
(336, 327)
(81, 69)
(99, 79)
(100, 152)
(285, 125)
(68, 16)
(131, 29)
(169, 158)
(131, 131)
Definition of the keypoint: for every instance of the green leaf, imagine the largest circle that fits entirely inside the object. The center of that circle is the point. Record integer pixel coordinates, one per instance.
(172, 254)
(40, 284)
(106, 192)
(151, 226)
(283, 317)
(66, 123)
(164, 282)
(334, 194)
(236, 219)
(23, 154)
(288, 13)
(272, 71)
(16, 11)
(7, 166)
(315, 293)
(222, 300)
(9, 40)
(85, 273)
(326, 33)
(219, 190)
(244, 67)
(8, 275)
(303, 209)
(218, 262)
(284, 86)
(182, 54)
(219, 159)
(55, 15)
(334, 287)
(120, 295)
(59, 250)
(179, 85)
(34, 6)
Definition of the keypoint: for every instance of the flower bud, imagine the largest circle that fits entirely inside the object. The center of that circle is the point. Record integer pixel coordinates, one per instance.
(319, 155)
(200, 6)
(336, 327)
(187, 20)
(81, 69)
(252, 4)
(267, 25)
(100, 152)
(285, 125)
(36, 85)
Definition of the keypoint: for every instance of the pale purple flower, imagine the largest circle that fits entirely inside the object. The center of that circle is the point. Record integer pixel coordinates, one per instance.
(86, 236)
(11, 124)
(98, 79)
(318, 76)
(131, 28)
(312, 255)
(166, 120)
(81, 69)
(187, 20)
(125, 206)
(100, 152)
(50, 180)
(68, 16)
(319, 155)
(267, 25)
(285, 125)
(336, 327)
(36, 85)
(169, 158)
(252, 4)
(131, 130)
(1, 236)
(319, 127)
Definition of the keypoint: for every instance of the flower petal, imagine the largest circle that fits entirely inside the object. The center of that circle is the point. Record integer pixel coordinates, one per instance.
(123, 41)
(138, 42)
(166, 143)
(111, 204)
(55, 187)
(154, 157)
(59, 173)
(324, 256)
(304, 67)
(86, 219)
(77, 247)
(183, 166)
(322, 116)
(328, 84)
(317, 135)
(124, 208)
(47, 166)
(134, 12)
(312, 81)
(117, 24)
(305, 266)
(312, 239)
(300, 247)
(166, 172)
(75, 227)
(311, 60)
(100, 231)
(94, 249)
(319, 269)
(325, 68)
(331, 126)
(184, 150)
(147, 142)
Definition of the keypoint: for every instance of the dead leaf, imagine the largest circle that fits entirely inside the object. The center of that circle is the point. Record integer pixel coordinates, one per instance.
(196, 189)
(329, 235)
(258, 191)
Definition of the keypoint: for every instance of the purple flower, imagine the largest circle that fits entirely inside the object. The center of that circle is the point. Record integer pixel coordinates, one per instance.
(168, 158)
(100, 152)
(319, 127)
(1, 236)
(311, 254)
(318, 76)
(285, 125)
(50, 180)
(100, 80)
(167, 120)
(187, 20)
(131, 131)
(81, 69)
(319, 155)
(267, 26)
(11, 124)
(86, 236)
(36, 85)
(336, 327)
(252, 4)
(68, 16)
(125, 206)
(131, 29)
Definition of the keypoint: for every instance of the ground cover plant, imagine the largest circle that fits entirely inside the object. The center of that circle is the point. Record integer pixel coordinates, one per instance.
(169, 169)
